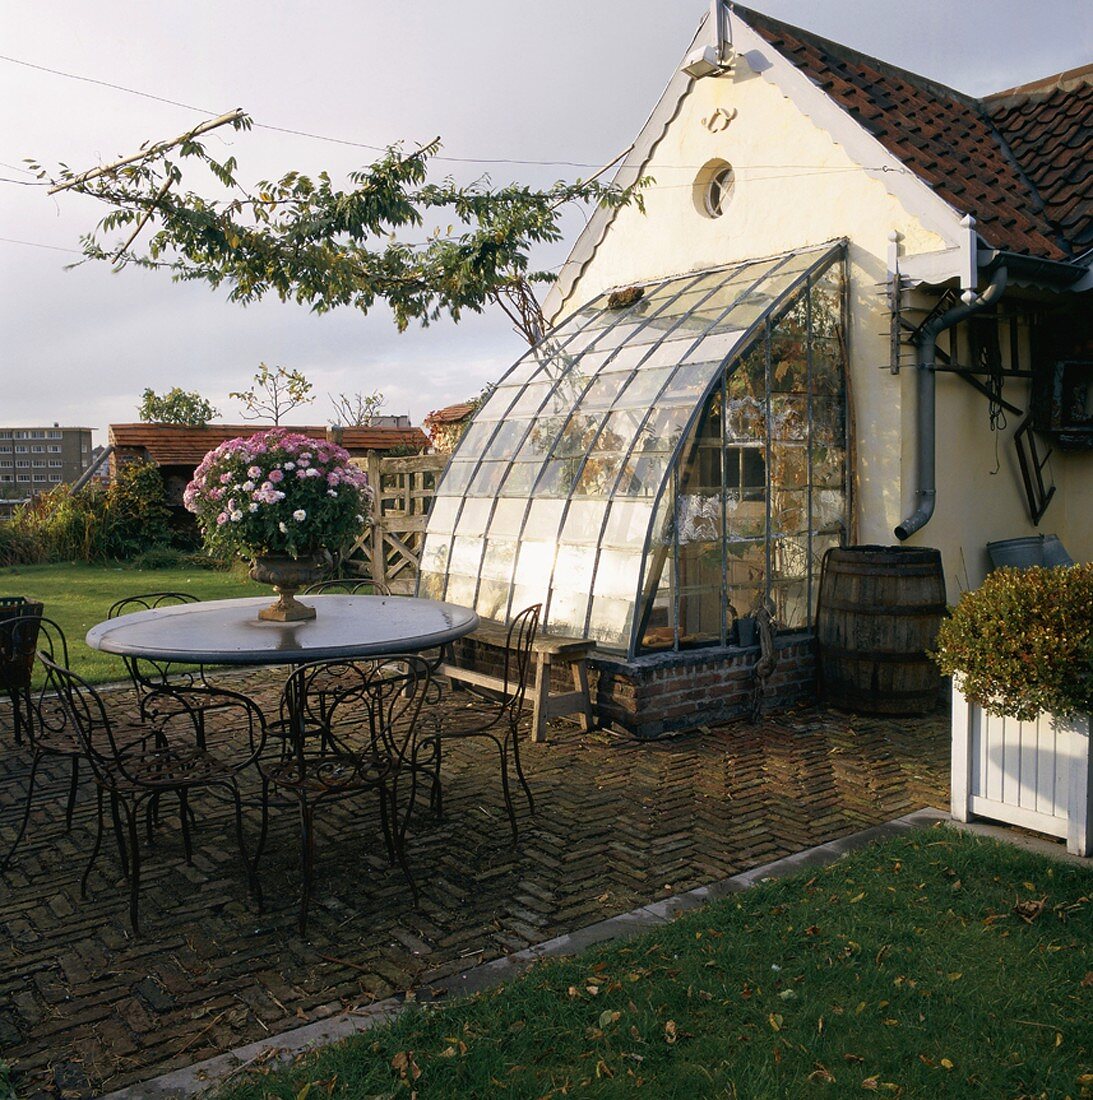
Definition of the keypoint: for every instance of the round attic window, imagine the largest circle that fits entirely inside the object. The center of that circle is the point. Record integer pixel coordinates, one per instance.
(714, 187)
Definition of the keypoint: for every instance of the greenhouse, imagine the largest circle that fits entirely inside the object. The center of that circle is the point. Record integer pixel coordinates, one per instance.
(670, 456)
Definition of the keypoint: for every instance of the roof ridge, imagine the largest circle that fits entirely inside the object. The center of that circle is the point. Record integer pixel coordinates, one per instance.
(1066, 81)
(839, 49)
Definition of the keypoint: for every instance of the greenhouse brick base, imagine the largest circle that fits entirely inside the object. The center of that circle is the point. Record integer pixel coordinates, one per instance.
(669, 692)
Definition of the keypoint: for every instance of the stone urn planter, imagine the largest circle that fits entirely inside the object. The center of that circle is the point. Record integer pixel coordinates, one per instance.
(1036, 773)
(1020, 651)
(288, 576)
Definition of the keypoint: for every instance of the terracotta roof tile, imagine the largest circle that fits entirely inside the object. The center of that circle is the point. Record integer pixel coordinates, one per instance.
(1003, 159)
(173, 445)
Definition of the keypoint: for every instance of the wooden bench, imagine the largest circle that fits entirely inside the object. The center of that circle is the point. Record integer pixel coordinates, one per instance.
(546, 651)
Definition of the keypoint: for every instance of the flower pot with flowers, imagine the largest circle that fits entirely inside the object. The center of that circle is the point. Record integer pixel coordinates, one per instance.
(282, 501)
(1020, 651)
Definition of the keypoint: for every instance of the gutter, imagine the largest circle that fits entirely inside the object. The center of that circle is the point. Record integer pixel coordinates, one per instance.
(926, 388)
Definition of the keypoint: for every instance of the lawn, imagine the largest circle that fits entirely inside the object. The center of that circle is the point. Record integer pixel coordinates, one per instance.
(78, 596)
(932, 965)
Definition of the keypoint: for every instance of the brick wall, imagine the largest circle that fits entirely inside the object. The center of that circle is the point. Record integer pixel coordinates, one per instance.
(668, 692)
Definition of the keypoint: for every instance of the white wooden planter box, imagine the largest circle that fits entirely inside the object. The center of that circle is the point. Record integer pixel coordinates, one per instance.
(1034, 774)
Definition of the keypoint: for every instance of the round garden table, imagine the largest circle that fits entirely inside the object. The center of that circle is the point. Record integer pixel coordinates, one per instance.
(229, 632)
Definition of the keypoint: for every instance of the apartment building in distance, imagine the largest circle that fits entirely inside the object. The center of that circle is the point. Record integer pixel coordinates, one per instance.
(34, 460)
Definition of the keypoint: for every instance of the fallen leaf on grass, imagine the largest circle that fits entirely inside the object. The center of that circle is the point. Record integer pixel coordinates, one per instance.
(671, 1032)
(408, 1069)
(609, 1017)
(853, 1058)
(1087, 981)
(776, 1020)
(1028, 911)
(822, 1073)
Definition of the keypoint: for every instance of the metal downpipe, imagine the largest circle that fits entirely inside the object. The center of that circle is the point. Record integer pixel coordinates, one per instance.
(926, 389)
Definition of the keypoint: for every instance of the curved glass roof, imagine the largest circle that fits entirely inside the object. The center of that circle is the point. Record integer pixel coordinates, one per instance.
(552, 494)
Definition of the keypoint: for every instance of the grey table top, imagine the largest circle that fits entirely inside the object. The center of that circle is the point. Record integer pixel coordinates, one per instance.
(229, 632)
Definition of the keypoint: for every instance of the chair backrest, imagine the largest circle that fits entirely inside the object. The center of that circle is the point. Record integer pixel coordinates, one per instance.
(347, 586)
(354, 708)
(83, 712)
(518, 650)
(19, 622)
(20, 640)
(147, 674)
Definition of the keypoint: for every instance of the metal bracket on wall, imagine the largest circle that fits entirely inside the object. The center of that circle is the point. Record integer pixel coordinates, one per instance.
(1032, 465)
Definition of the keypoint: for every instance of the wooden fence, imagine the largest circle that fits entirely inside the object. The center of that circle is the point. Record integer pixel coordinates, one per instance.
(390, 550)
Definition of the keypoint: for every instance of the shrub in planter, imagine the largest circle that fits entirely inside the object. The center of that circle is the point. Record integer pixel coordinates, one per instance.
(1022, 642)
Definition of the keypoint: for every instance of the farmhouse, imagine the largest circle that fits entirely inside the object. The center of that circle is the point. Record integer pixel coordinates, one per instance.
(855, 309)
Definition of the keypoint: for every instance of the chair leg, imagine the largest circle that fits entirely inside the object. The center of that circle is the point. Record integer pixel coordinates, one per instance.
(514, 734)
(134, 867)
(502, 748)
(385, 821)
(252, 874)
(540, 698)
(119, 834)
(184, 818)
(307, 856)
(72, 784)
(263, 828)
(98, 842)
(436, 793)
(400, 848)
(26, 811)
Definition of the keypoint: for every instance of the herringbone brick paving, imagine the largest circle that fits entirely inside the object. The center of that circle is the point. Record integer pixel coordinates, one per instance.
(85, 1007)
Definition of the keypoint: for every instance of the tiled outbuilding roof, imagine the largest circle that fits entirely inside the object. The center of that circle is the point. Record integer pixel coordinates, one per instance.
(1014, 161)
(173, 445)
(451, 414)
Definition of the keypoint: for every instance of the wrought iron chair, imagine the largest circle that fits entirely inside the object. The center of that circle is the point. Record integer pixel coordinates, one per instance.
(132, 768)
(47, 729)
(495, 716)
(347, 586)
(347, 730)
(16, 670)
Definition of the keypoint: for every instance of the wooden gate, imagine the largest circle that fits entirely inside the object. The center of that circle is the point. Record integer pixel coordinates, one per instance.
(390, 550)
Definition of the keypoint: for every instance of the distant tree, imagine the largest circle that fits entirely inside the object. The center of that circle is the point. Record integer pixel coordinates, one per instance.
(357, 410)
(275, 393)
(176, 406)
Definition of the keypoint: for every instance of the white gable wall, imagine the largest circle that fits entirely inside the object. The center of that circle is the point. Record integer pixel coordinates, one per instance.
(797, 184)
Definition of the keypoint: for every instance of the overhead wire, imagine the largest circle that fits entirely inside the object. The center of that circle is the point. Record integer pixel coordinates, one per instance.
(384, 148)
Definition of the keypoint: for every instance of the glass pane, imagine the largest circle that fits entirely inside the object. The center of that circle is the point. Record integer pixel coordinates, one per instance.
(715, 348)
(690, 382)
(493, 599)
(475, 516)
(487, 480)
(643, 388)
(627, 523)
(789, 465)
(600, 473)
(643, 475)
(476, 437)
(431, 586)
(791, 610)
(611, 620)
(828, 425)
(457, 477)
(828, 510)
(827, 300)
(435, 553)
(573, 568)
(788, 416)
(460, 590)
(584, 521)
(828, 466)
(664, 428)
(789, 363)
(789, 557)
(788, 512)
(466, 555)
(544, 519)
(827, 366)
(567, 612)
(520, 478)
(508, 517)
(442, 514)
(578, 434)
(617, 573)
(507, 439)
(531, 398)
(499, 559)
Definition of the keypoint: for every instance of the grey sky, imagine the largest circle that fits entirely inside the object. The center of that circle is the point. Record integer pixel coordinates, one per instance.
(568, 81)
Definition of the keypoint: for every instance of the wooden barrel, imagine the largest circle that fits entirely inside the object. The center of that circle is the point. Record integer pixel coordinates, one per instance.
(879, 611)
